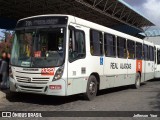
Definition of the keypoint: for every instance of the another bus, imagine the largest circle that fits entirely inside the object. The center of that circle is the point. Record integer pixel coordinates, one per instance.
(157, 61)
(63, 55)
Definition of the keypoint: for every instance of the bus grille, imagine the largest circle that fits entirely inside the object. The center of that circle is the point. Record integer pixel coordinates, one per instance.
(36, 80)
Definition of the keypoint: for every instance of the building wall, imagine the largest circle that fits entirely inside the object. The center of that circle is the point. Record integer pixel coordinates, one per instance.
(155, 40)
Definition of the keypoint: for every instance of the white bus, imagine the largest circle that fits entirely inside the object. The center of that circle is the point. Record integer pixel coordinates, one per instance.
(157, 61)
(63, 55)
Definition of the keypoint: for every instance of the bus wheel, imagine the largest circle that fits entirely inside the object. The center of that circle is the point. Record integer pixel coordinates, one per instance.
(91, 90)
(137, 81)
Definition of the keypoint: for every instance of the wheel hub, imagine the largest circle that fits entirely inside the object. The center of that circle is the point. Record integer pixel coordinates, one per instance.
(92, 88)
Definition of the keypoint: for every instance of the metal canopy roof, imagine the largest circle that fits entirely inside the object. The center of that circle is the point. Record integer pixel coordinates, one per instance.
(152, 32)
(109, 13)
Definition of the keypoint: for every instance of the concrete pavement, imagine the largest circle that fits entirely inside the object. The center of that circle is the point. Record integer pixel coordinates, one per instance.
(3, 93)
(146, 98)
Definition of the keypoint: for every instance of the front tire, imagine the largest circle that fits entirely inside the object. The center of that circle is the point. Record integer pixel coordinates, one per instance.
(92, 87)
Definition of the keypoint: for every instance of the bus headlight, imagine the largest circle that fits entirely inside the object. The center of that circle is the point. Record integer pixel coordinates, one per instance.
(59, 73)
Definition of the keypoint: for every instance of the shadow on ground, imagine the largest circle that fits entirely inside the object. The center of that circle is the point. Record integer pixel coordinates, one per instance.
(116, 89)
(155, 103)
(154, 80)
(41, 99)
(55, 100)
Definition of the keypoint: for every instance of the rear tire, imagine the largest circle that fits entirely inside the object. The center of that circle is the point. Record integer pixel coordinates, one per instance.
(137, 81)
(92, 88)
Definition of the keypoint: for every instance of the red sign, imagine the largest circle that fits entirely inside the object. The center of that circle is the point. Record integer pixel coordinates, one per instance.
(47, 71)
(139, 66)
(37, 54)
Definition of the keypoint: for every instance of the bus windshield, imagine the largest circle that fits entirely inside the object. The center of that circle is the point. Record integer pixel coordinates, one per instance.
(44, 47)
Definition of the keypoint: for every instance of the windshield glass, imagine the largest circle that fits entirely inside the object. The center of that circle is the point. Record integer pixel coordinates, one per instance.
(39, 47)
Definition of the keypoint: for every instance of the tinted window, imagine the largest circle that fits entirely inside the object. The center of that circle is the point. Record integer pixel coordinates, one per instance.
(139, 50)
(148, 53)
(153, 59)
(151, 50)
(154, 54)
(109, 45)
(96, 43)
(145, 52)
(76, 45)
(158, 56)
(131, 49)
(121, 47)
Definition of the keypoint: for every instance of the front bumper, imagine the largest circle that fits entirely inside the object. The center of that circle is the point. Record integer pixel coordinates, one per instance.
(39, 88)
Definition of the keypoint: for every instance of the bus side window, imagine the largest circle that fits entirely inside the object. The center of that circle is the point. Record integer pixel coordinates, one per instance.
(76, 45)
(145, 52)
(109, 45)
(155, 61)
(148, 54)
(151, 50)
(121, 47)
(158, 57)
(96, 43)
(139, 51)
(130, 49)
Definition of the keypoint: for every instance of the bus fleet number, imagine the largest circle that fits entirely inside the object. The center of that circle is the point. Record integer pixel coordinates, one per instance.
(47, 71)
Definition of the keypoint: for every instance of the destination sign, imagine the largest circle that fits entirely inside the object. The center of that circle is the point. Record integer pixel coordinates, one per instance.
(41, 21)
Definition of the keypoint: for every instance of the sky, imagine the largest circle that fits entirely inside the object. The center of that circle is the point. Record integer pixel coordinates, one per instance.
(149, 8)
(1, 35)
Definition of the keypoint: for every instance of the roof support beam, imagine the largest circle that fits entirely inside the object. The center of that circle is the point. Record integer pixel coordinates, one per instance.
(105, 12)
(114, 8)
(111, 5)
(96, 3)
(105, 5)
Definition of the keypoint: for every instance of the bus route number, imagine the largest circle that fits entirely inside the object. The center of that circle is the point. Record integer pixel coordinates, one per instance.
(47, 71)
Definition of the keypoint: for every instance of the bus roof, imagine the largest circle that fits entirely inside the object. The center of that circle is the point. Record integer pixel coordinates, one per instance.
(92, 25)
